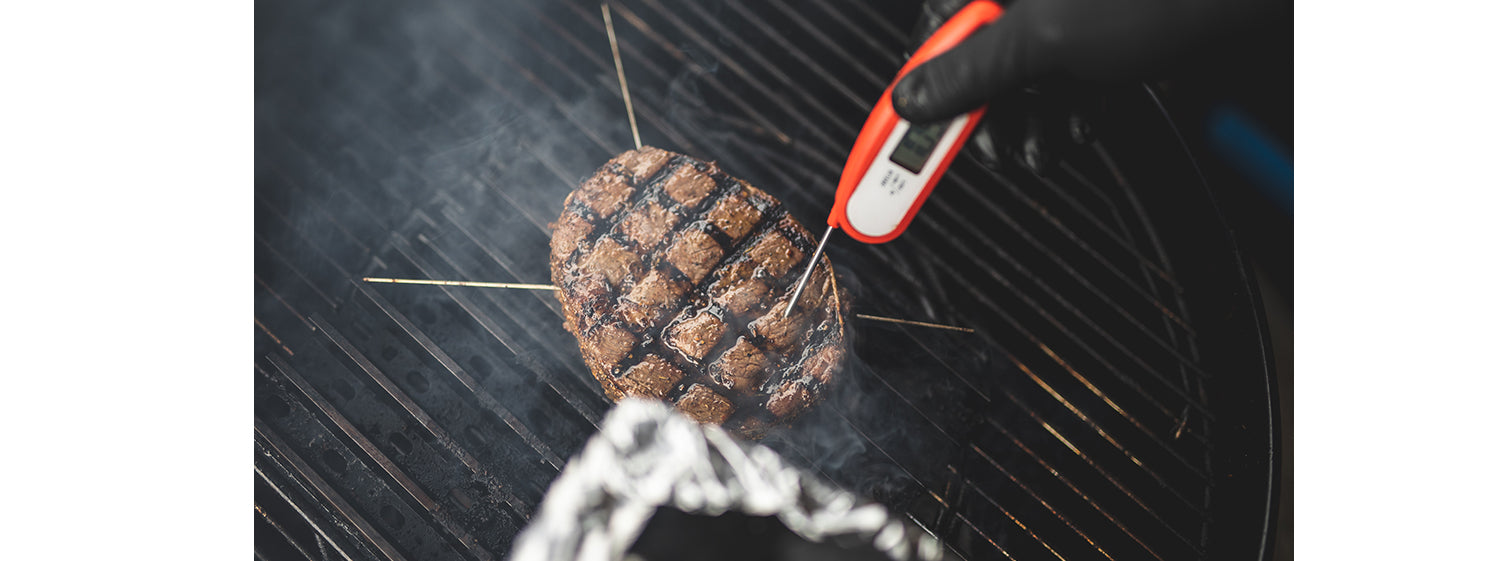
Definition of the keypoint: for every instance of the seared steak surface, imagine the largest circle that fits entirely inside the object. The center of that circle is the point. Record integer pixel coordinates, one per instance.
(674, 276)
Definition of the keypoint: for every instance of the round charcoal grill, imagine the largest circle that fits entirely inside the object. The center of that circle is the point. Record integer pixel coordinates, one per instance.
(1114, 401)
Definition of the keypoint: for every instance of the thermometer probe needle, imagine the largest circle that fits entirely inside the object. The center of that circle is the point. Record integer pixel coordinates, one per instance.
(550, 287)
(463, 283)
(801, 284)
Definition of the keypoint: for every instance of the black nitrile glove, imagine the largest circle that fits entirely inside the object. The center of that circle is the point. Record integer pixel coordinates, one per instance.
(1039, 44)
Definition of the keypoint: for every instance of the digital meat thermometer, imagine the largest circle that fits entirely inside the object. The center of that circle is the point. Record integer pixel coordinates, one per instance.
(894, 164)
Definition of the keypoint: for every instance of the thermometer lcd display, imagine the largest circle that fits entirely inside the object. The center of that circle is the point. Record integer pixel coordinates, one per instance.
(916, 146)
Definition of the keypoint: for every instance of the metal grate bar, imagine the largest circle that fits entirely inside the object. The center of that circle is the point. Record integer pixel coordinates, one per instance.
(500, 447)
(1112, 441)
(1100, 469)
(299, 192)
(274, 338)
(1156, 245)
(325, 492)
(879, 83)
(1121, 237)
(561, 352)
(1190, 339)
(1006, 512)
(924, 487)
(734, 66)
(878, 19)
(455, 197)
(1038, 498)
(652, 116)
(308, 271)
(508, 264)
(722, 154)
(1025, 234)
(447, 442)
(284, 303)
(817, 33)
(482, 469)
(284, 533)
(395, 473)
(965, 520)
(1020, 328)
(482, 39)
(1097, 429)
(1035, 306)
(649, 64)
(295, 271)
(1085, 418)
(1064, 302)
(1083, 245)
(1016, 401)
(1119, 375)
(636, 22)
(564, 178)
(502, 335)
(1080, 493)
(825, 42)
(873, 45)
(920, 411)
(483, 396)
(1080, 414)
(1096, 391)
(775, 71)
(289, 140)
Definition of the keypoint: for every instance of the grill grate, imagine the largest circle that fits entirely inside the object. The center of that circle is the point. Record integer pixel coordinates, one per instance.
(438, 140)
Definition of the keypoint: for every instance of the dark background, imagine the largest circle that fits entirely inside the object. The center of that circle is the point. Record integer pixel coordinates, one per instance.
(436, 139)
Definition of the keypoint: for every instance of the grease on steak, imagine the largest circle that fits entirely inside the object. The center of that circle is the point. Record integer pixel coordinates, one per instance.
(604, 194)
(640, 165)
(782, 334)
(705, 405)
(673, 276)
(651, 298)
(653, 376)
(775, 254)
(741, 368)
(569, 231)
(688, 186)
(743, 297)
(734, 215)
(612, 260)
(695, 335)
(648, 226)
(694, 252)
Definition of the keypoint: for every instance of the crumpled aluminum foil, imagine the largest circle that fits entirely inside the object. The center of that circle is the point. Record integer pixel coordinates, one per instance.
(646, 455)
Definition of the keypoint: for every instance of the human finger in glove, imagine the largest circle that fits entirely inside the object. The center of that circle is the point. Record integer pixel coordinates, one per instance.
(1088, 42)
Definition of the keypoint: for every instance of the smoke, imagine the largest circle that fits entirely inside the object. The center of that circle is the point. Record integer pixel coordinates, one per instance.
(901, 413)
(438, 139)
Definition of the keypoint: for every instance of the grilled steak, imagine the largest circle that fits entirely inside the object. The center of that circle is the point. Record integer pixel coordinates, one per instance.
(674, 277)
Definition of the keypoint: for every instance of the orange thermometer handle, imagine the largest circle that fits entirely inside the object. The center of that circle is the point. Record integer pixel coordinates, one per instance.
(875, 136)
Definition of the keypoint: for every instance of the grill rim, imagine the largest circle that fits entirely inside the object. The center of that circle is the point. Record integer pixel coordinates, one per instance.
(1258, 453)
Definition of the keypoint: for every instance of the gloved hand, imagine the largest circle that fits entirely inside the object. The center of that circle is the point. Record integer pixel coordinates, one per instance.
(1039, 44)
